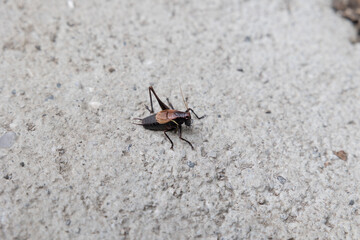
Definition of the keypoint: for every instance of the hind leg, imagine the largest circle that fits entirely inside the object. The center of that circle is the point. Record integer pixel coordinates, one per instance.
(162, 105)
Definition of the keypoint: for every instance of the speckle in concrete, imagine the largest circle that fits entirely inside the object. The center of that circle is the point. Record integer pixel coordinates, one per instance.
(7, 140)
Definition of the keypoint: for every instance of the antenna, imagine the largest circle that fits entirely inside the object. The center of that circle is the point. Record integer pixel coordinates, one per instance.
(185, 103)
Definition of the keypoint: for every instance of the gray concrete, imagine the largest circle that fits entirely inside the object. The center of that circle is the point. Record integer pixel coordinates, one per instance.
(279, 81)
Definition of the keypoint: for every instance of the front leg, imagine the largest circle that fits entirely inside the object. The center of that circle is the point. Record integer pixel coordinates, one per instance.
(172, 144)
(184, 139)
(189, 109)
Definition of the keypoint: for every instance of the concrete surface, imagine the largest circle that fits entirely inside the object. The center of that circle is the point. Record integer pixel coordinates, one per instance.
(279, 81)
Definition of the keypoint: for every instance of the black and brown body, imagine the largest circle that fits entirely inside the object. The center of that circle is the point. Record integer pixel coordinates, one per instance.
(167, 119)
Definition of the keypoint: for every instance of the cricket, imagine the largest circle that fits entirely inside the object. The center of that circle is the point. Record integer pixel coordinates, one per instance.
(168, 119)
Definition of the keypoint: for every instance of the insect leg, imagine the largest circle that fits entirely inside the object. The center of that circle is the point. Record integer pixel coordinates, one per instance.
(183, 138)
(151, 103)
(162, 105)
(172, 144)
(189, 109)
(147, 107)
(172, 107)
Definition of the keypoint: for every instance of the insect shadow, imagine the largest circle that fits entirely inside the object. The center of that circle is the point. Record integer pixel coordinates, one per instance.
(168, 119)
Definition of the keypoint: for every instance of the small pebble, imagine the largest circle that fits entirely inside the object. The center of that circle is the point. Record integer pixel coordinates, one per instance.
(61, 151)
(8, 176)
(13, 92)
(58, 85)
(341, 154)
(190, 164)
(281, 179)
(261, 201)
(68, 222)
(51, 97)
(351, 202)
(22, 164)
(95, 105)
(70, 4)
(7, 140)
(247, 39)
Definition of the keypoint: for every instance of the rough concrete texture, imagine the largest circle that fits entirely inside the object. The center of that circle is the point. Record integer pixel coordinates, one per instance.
(278, 80)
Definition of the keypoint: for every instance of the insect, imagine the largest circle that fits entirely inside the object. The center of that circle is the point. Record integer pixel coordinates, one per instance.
(168, 119)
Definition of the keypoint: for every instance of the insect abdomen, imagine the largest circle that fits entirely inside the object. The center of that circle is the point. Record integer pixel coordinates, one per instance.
(151, 124)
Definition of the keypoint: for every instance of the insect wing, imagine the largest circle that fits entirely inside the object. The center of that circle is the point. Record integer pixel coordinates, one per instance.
(162, 117)
(166, 116)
